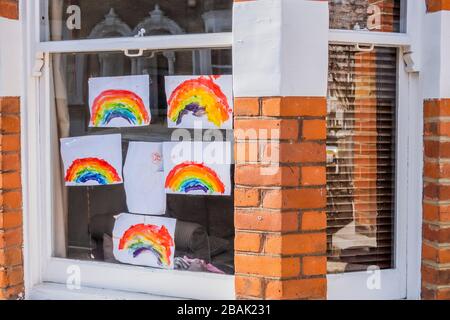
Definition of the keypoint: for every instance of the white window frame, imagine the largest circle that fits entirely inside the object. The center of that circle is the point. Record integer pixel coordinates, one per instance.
(42, 270)
(403, 281)
(45, 274)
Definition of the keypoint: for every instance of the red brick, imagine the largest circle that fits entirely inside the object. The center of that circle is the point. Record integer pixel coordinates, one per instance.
(436, 233)
(245, 152)
(10, 124)
(304, 152)
(314, 221)
(434, 276)
(257, 175)
(314, 265)
(436, 213)
(313, 176)
(436, 170)
(12, 200)
(10, 238)
(246, 197)
(9, 9)
(10, 162)
(262, 220)
(11, 180)
(314, 129)
(434, 191)
(10, 220)
(294, 106)
(267, 266)
(10, 104)
(269, 129)
(437, 5)
(315, 288)
(288, 244)
(249, 286)
(11, 143)
(295, 199)
(246, 106)
(11, 257)
(248, 242)
(10, 293)
(11, 277)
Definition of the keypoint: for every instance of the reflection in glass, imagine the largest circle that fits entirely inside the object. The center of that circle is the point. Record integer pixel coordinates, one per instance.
(361, 158)
(369, 15)
(87, 19)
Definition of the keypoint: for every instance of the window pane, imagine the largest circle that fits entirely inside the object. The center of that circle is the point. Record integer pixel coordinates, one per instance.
(370, 15)
(87, 19)
(205, 225)
(361, 158)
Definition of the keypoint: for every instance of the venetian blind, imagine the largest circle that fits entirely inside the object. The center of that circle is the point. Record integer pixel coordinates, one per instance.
(361, 158)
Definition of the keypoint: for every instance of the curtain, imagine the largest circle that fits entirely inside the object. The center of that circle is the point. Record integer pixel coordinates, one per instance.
(60, 129)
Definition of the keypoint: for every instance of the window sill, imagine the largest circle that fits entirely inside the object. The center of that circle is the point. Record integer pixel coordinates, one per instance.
(53, 291)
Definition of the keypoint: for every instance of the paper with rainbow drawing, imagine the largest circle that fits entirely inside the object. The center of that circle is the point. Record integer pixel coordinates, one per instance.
(197, 168)
(92, 160)
(207, 100)
(119, 101)
(144, 240)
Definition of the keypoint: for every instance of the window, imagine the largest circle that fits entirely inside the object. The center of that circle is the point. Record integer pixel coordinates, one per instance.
(366, 15)
(372, 138)
(84, 19)
(172, 38)
(361, 158)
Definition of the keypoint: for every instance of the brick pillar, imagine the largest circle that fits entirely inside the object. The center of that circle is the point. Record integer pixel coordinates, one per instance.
(11, 268)
(280, 215)
(436, 198)
(280, 81)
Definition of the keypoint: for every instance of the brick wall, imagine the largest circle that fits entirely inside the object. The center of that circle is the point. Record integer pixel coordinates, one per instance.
(280, 215)
(436, 191)
(436, 203)
(11, 266)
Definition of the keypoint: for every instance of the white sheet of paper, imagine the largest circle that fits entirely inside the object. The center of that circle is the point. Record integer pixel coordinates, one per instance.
(140, 250)
(216, 156)
(144, 178)
(79, 152)
(139, 85)
(189, 120)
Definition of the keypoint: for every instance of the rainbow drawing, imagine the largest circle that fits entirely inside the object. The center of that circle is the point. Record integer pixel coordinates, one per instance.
(148, 237)
(200, 96)
(190, 176)
(92, 169)
(111, 104)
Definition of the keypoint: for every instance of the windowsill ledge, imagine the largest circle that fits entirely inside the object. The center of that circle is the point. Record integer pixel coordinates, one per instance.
(53, 291)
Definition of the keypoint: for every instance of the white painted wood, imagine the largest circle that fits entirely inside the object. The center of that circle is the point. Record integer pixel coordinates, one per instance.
(436, 50)
(365, 37)
(182, 284)
(185, 41)
(280, 48)
(10, 58)
(54, 291)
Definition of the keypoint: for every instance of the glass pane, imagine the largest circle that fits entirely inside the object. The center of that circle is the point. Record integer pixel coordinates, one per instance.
(361, 135)
(370, 15)
(205, 224)
(87, 19)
